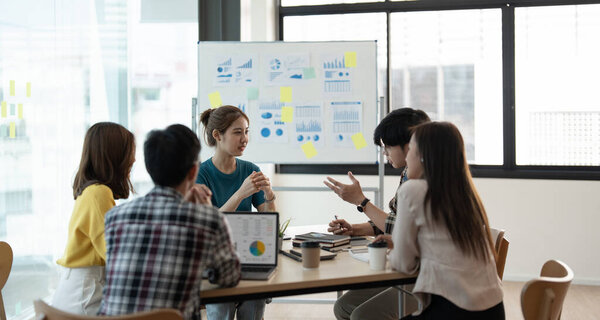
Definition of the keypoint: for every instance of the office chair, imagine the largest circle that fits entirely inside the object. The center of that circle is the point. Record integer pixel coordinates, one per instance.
(543, 298)
(45, 312)
(501, 246)
(6, 259)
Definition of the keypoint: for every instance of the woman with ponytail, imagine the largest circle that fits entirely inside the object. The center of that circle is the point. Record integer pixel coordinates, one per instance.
(236, 185)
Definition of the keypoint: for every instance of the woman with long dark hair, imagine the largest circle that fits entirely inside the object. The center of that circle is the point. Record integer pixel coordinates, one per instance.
(442, 230)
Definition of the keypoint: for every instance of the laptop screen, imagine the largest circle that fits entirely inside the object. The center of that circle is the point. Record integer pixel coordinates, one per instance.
(254, 235)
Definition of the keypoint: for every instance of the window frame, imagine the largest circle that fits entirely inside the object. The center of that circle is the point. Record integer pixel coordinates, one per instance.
(509, 169)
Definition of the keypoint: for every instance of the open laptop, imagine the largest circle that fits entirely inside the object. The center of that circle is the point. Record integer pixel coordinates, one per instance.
(254, 235)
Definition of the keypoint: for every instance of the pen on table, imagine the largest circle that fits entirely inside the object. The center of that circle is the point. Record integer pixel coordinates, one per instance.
(290, 255)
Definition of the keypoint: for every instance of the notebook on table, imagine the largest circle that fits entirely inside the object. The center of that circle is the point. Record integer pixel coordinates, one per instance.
(254, 236)
(325, 239)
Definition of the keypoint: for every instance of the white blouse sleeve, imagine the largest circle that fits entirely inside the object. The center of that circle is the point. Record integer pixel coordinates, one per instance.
(404, 257)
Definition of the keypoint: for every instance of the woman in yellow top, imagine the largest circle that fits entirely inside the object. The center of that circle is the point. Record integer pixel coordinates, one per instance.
(103, 176)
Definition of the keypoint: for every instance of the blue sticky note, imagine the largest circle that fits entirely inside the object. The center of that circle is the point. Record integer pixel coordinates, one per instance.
(252, 93)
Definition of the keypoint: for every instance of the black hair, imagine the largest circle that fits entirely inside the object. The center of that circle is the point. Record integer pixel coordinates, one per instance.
(170, 154)
(396, 128)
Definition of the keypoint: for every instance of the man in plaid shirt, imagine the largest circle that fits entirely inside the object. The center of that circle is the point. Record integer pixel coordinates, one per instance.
(158, 245)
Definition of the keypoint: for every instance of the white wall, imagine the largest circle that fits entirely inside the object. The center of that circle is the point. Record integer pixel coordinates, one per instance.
(544, 219)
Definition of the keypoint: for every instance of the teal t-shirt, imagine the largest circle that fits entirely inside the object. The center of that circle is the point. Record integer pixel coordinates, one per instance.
(223, 186)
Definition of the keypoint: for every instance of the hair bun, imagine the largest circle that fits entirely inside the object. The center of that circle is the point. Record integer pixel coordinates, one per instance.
(206, 115)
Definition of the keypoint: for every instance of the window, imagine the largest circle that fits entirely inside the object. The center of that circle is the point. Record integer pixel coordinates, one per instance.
(449, 64)
(516, 78)
(64, 66)
(557, 102)
(291, 3)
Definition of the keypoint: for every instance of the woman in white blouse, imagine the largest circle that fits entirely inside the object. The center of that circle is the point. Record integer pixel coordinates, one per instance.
(442, 231)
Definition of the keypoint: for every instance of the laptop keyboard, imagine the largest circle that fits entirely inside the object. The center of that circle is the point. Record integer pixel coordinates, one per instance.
(255, 269)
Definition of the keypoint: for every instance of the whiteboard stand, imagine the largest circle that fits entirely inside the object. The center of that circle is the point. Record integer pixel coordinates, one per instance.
(195, 115)
(381, 167)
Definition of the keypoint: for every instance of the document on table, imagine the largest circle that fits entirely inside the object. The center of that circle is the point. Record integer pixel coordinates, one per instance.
(360, 254)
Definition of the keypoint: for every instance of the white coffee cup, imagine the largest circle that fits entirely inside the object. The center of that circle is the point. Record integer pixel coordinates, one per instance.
(377, 255)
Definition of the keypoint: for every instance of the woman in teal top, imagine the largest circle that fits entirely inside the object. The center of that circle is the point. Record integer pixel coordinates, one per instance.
(224, 185)
(236, 185)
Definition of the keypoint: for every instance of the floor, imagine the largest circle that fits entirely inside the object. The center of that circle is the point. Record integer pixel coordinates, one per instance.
(582, 302)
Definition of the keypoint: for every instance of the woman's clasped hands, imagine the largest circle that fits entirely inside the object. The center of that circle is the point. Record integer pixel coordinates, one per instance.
(255, 182)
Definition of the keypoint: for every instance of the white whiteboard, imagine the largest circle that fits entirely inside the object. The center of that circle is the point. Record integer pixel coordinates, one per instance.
(332, 98)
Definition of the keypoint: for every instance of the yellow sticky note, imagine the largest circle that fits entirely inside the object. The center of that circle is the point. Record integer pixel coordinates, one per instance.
(285, 94)
(12, 87)
(20, 110)
(4, 110)
(309, 150)
(359, 141)
(215, 99)
(350, 59)
(28, 89)
(287, 114)
(13, 132)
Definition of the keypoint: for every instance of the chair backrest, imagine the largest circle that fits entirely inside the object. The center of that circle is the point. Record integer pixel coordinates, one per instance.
(543, 298)
(501, 246)
(497, 235)
(45, 312)
(6, 260)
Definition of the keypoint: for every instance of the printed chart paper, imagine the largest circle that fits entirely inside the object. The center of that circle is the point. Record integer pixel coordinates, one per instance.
(345, 122)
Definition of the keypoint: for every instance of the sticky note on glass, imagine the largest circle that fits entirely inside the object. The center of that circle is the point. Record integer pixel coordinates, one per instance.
(287, 114)
(28, 89)
(215, 99)
(4, 111)
(309, 150)
(308, 73)
(20, 110)
(12, 109)
(359, 141)
(12, 132)
(252, 93)
(285, 94)
(12, 87)
(350, 59)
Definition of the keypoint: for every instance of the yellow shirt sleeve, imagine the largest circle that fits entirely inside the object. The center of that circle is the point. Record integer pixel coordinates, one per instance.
(86, 246)
(104, 203)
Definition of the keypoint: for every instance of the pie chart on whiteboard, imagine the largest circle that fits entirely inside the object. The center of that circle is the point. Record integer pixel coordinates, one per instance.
(257, 248)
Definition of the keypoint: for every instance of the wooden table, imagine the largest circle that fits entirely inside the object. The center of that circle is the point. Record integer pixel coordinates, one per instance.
(341, 273)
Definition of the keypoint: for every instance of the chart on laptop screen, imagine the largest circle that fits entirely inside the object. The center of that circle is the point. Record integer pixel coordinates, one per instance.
(254, 237)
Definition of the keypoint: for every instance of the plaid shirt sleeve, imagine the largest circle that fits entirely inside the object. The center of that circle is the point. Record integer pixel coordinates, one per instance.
(391, 217)
(389, 222)
(225, 261)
